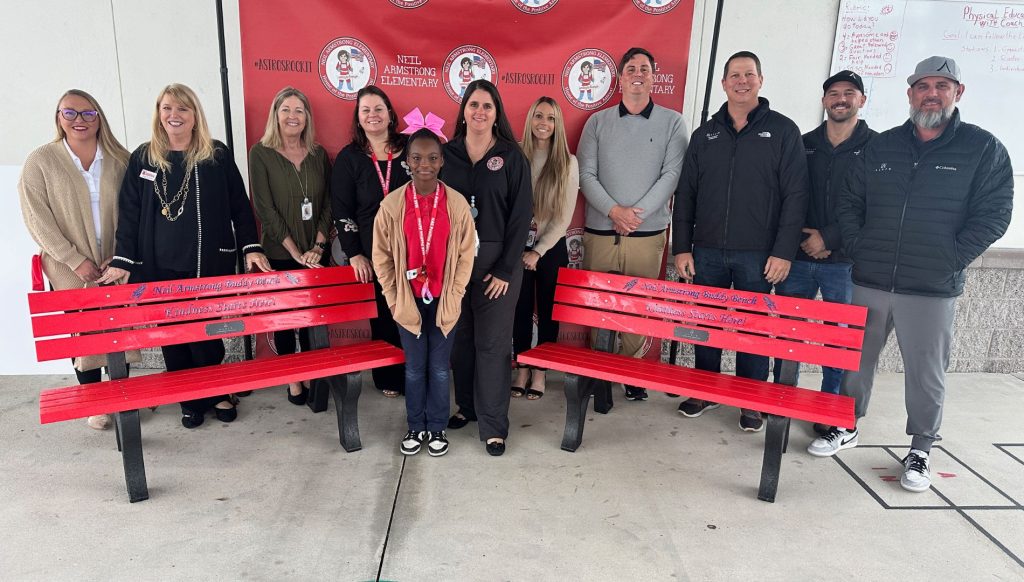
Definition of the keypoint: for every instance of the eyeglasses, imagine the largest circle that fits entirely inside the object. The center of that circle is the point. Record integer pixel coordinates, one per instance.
(71, 114)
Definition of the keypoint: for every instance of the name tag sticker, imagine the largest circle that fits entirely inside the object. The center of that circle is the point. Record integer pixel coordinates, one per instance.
(148, 175)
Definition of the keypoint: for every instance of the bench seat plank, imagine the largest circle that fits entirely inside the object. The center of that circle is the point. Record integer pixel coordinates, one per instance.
(766, 397)
(171, 387)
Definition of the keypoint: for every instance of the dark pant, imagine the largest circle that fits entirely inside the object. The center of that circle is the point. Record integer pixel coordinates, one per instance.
(427, 399)
(483, 366)
(538, 289)
(192, 355)
(743, 271)
(284, 340)
(383, 327)
(804, 280)
(93, 376)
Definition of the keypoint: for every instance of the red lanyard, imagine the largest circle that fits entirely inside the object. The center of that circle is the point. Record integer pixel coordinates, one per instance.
(384, 181)
(425, 243)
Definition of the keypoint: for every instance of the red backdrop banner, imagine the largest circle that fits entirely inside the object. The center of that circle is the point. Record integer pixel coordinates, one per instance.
(424, 52)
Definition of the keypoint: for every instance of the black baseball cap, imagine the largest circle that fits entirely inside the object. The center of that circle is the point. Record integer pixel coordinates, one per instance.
(844, 75)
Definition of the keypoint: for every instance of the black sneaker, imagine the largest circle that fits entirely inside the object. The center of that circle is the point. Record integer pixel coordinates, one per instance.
(438, 444)
(413, 442)
(751, 423)
(694, 407)
(635, 393)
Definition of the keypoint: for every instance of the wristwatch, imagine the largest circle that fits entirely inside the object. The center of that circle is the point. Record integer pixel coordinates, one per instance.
(322, 245)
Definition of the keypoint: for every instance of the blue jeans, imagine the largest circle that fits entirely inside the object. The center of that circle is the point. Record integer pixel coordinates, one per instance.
(804, 280)
(743, 271)
(427, 397)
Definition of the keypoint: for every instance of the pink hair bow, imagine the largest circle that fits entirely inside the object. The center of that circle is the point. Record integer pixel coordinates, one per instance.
(416, 121)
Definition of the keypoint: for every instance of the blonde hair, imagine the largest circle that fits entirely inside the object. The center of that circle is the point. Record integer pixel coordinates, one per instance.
(199, 149)
(105, 137)
(272, 134)
(549, 187)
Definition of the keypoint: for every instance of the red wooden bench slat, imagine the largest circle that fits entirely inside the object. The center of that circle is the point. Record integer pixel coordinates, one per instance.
(171, 387)
(846, 359)
(119, 341)
(804, 308)
(799, 403)
(118, 295)
(181, 311)
(798, 329)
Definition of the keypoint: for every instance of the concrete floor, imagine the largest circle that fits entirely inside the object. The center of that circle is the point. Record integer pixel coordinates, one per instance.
(650, 495)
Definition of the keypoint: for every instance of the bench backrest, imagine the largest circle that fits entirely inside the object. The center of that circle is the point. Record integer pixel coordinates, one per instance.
(756, 323)
(118, 318)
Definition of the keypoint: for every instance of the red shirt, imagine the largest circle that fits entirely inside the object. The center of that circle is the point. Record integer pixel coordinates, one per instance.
(438, 251)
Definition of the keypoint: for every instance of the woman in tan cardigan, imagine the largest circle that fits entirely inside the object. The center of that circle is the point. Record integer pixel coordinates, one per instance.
(68, 190)
(423, 245)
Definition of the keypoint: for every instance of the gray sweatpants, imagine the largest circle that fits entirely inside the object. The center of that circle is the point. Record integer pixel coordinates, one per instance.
(924, 330)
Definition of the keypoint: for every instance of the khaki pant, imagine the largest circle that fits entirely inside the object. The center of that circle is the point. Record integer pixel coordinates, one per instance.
(634, 256)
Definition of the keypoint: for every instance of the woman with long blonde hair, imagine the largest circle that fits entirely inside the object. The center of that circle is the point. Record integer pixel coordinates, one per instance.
(68, 191)
(556, 183)
(184, 213)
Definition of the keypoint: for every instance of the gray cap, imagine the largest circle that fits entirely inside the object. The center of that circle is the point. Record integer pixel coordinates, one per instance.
(935, 67)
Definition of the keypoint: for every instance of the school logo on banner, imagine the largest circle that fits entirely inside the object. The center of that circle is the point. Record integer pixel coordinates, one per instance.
(464, 65)
(534, 6)
(346, 66)
(408, 3)
(574, 244)
(588, 79)
(656, 6)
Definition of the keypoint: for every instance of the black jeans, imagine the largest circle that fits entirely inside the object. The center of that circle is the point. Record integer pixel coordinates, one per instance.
(538, 290)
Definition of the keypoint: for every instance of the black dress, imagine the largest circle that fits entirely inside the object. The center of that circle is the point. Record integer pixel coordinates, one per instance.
(355, 198)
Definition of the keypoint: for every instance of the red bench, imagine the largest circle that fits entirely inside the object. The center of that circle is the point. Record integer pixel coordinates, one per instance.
(118, 318)
(724, 318)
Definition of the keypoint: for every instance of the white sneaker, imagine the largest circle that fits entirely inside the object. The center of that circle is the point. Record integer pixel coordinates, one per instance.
(100, 421)
(915, 474)
(835, 440)
(413, 442)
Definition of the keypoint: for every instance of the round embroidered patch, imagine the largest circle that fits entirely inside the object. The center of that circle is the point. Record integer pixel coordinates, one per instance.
(496, 163)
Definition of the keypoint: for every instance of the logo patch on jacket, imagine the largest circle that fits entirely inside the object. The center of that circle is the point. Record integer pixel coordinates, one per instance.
(764, 134)
(883, 167)
(714, 135)
(946, 168)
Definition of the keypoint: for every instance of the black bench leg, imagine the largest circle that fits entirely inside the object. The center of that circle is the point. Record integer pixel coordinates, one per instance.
(131, 454)
(601, 389)
(117, 432)
(774, 445)
(785, 441)
(577, 396)
(319, 338)
(345, 390)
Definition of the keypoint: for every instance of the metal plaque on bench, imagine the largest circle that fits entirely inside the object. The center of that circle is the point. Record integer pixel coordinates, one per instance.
(223, 327)
(688, 333)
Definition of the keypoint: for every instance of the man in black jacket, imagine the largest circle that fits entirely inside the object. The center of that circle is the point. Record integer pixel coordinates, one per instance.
(831, 149)
(739, 207)
(923, 201)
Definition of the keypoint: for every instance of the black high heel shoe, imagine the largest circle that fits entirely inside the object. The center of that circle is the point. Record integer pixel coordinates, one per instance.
(226, 414)
(297, 399)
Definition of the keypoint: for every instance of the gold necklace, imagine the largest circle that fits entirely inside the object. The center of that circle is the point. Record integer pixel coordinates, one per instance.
(182, 194)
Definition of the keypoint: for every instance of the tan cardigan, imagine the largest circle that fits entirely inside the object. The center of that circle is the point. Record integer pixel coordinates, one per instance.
(551, 231)
(390, 261)
(57, 208)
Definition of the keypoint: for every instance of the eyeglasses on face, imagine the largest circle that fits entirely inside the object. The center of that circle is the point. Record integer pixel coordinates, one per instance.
(72, 114)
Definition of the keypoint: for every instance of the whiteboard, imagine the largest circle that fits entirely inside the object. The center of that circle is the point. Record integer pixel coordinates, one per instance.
(883, 40)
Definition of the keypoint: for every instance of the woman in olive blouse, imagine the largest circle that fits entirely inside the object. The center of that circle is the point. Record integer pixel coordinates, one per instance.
(289, 173)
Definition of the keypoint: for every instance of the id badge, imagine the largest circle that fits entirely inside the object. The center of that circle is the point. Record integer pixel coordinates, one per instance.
(307, 210)
(411, 274)
(531, 239)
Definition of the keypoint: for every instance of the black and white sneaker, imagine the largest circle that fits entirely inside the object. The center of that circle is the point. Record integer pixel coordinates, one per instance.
(438, 444)
(915, 474)
(832, 442)
(413, 442)
(635, 393)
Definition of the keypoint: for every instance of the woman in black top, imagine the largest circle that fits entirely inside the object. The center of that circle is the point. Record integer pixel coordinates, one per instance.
(364, 172)
(183, 213)
(484, 162)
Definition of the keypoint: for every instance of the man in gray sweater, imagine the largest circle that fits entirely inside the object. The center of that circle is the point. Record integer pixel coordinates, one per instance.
(630, 159)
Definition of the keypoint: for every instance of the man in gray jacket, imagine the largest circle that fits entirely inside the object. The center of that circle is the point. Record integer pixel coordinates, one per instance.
(630, 158)
(923, 201)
